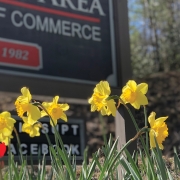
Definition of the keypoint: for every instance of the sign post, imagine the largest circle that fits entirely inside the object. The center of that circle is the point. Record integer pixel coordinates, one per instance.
(121, 135)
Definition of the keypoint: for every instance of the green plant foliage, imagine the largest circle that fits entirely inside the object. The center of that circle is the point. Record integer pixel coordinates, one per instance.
(154, 36)
(110, 162)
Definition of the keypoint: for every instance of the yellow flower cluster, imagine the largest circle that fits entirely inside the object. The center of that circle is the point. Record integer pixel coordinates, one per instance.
(134, 94)
(31, 112)
(158, 129)
(6, 127)
(131, 93)
(98, 100)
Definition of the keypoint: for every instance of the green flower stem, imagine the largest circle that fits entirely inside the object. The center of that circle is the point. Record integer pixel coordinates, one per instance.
(139, 133)
(58, 136)
(147, 137)
(129, 111)
(132, 117)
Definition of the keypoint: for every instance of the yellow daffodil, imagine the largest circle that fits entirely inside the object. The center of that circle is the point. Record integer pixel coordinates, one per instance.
(98, 100)
(6, 127)
(23, 104)
(134, 94)
(158, 129)
(31, 129)
(55, 110)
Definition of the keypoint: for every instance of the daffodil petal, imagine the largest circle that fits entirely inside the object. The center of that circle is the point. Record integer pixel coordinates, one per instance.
(103, 88)
(6, 114)
(31, 121)
(25, 119)
(103, 111)
(55, 99)
(10, 121)
(64, 107)
(34, 112)
(7, 132)
(106, 87)
(43, 113)
(23, 100)
(90, 100)
(6, 141)
(112, 107)
(136, 105)
(151, 119)
(161, 119)
(143, 87)
(141, 99)
(55, 122)
(132, 84)
(25, 92)
(46, 104)
(152, 140)
(93, 108)
(6, 126)
(64, 117)
(32, 130)
(123, 99)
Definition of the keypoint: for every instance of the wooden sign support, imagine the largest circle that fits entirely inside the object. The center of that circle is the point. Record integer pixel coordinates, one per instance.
(121, 134)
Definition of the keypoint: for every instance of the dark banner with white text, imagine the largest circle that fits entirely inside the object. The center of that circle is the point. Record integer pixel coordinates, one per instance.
(67, 40)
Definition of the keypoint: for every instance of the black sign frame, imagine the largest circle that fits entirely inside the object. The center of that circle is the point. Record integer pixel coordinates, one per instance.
(106, 60)
(13, 83)
(37, 140)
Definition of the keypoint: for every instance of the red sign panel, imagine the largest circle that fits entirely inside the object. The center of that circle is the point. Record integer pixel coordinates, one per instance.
(20, 54)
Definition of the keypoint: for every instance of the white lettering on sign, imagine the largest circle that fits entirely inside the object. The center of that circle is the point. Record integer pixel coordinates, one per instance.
(24, 148)
(61, 27)
(66, 28)
(82, 5)
(12, 149)
(15, 53)
(29, 21)
(42, 26)
(54, 28)
(34, 148)
(64, 129)
(20, 127)
(45, 149)
(44, 129)
(75, 128)
(85, 29)
(52, 128)
(74, 148)
(96, 5)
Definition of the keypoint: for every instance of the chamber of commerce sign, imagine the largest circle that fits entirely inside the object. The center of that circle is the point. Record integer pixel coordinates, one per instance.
(68, 40)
